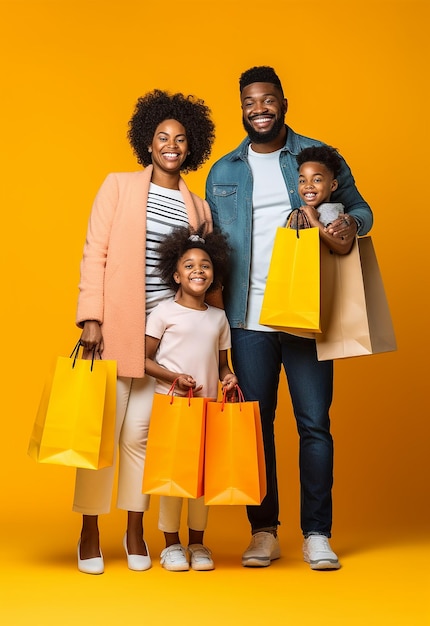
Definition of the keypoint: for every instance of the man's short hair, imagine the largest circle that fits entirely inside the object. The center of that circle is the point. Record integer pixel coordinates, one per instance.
(260, 74)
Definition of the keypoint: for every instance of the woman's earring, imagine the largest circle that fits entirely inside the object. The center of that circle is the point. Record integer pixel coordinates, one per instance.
(149, 150)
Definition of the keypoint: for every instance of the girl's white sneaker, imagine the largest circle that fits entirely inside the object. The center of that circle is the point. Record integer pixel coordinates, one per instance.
(174, 558)
(200, 557)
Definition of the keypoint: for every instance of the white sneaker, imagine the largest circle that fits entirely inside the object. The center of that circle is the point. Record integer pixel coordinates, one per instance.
(319, 555)
(200, 557)
(174, 558)
(263, 549)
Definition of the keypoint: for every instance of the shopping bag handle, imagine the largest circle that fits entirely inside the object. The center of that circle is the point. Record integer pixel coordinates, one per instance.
(75, 353)
(240, 397)
(298, 213)
(172, 389)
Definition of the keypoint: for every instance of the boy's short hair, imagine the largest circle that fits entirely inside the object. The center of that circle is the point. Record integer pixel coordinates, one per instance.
(327, 155)
(260, 74)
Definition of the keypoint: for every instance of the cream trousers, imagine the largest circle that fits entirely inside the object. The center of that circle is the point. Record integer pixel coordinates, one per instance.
(170, 514)
(93, 488)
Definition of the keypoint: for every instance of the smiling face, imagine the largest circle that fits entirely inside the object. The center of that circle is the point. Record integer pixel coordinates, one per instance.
(169, 148)
(194, 272)
(316, 183)
(264, 109)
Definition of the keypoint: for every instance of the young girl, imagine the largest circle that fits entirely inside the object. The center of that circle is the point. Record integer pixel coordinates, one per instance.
(187, 342)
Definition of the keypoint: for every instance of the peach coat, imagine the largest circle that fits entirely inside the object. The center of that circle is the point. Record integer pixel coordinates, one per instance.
(112, 281)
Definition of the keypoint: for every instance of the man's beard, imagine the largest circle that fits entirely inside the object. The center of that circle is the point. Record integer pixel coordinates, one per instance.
(271, 135)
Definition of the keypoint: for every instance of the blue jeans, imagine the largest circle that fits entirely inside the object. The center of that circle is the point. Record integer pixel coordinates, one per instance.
(257, 357)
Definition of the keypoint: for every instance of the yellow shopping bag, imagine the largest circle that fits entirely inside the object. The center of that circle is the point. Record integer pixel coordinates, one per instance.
(175, 449)
(75, 422)
(235, 469)
(292, 294)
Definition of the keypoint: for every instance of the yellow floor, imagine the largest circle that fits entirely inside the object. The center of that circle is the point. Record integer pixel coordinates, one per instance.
(384, 580)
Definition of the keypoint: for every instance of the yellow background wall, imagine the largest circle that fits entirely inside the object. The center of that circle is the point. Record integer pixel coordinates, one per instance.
(355, 74)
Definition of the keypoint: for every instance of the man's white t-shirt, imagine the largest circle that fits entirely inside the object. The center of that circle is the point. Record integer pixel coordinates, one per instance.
(271, 208)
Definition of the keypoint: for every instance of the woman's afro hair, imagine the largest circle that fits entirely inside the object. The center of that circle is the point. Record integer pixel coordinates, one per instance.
(157, 106)
(326, 155)
(181, 239)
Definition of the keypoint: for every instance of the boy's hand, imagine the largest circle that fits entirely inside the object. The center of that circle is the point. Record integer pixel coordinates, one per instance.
(311, 213)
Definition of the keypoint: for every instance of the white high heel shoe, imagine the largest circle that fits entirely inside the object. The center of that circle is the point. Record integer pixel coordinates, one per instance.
(90, 566)
(137, 562)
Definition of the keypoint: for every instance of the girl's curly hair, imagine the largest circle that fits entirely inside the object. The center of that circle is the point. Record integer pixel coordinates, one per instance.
(157, 106)
(326, 155)
(183, 238)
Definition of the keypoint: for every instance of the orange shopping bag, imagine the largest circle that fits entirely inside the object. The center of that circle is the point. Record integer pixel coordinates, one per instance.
(175, 449)
(235, 469)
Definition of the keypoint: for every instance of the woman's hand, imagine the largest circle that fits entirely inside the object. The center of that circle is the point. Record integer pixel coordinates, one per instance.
(91, 336)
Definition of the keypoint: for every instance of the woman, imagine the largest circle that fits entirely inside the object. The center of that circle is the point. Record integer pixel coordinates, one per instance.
(120, 285)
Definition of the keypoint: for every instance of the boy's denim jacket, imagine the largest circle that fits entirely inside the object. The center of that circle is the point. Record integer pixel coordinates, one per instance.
(229, 189)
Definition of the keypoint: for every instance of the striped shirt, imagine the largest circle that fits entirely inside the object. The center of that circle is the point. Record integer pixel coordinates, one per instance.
(165, 210)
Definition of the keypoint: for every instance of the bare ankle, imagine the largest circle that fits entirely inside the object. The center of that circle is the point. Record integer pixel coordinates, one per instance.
(171, 539)
(90, 539)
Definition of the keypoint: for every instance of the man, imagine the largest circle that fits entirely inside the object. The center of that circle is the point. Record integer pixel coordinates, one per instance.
(251, 192)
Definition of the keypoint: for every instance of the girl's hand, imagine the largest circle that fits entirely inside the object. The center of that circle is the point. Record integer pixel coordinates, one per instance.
(185, 382)
(228, 384)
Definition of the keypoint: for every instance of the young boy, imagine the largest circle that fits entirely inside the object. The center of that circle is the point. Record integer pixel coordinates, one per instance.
(319, 167)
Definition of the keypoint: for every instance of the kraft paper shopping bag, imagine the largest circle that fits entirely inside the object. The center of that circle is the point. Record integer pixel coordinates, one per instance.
(175, 449)
(292, 294)
(355, 313)
(75, 422)
(235, 469)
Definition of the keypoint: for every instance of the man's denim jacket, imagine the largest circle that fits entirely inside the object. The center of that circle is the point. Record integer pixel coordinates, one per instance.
(229, 193)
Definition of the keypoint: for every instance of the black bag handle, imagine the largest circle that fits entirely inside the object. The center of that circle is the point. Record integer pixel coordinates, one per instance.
(75, 353)
(299, 213)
